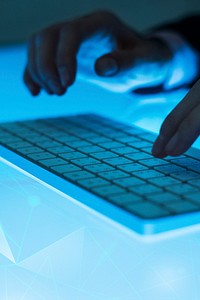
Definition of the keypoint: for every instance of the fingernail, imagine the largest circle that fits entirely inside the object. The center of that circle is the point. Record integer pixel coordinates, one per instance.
(107, 67)
(158, 146)
(65, 78)
(55, 87)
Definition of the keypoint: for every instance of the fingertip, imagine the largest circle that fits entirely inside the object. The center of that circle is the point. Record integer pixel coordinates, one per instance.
(158, 146)
(106, 66)
(66, 77)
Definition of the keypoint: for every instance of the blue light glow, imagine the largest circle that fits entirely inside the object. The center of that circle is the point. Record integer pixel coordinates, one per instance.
(51, 248)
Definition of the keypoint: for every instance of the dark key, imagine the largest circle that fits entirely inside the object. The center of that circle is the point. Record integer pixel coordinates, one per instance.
(138, 156)
(132, 167)
(164, 181)
(99, 168)
(29, 150)
(117, 161)
(153, 162)
(93, 182)
(182, 207)
(147, 174)
(104, 154)
(41, 155)
(147, 210)
(72, 155)
(123, 199)
(61, 149)
(66, 168)
(91, 149)
(111, 175)
(76, 176)
(129, 181)
(182, 189)
(85, 161)
(52, 162)
(111, 145)
(124, 150)
(145, 189)
(169, 169)
(105, 191)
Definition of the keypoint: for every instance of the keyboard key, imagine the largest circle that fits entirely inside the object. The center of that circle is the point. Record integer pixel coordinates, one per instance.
(41, 155)
(72, 155)
(181, 189)
(129, 181)
(29, 150)
(124, 150)
(132, 167)
(104, 154)
(111, 175)
(153, 162)
(85, 161)
(76, 176)
(49, 144)
(145, 189)
(117, 161)
(140, 144)
(93, 182)
(129, 139)
(61, 149)
(91, 149)
(100, 139)
(79, 144)
(124, 199)
(164, 181)
(111, 145)
(186, 175)
(147, 150)
(99, 168)
(147, 210)
(195, 182)
(194, 167)
(21, 144)
(52, 162)
(108, 190)
(169, 169)
(65, 168)
(138, 156)
(194, 197)
(66, 138)
(147, 174)
(182, 207)
(163, 198)
(185, 161)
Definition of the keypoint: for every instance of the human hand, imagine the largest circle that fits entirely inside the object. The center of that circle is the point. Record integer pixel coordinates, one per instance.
(133, 60)
(181, 127)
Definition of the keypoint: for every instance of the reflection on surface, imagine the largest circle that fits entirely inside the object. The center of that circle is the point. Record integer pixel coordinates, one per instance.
(52, 248)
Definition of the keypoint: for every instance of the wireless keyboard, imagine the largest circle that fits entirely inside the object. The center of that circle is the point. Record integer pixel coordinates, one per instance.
(108, 166)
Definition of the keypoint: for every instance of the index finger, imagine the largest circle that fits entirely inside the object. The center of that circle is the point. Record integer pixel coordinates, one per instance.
(174, 119)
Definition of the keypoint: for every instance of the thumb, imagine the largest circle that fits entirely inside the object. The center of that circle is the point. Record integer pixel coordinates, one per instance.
(146, 59)
(112, 63)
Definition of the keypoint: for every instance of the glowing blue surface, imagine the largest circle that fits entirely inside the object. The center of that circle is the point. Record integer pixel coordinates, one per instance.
(51, 248)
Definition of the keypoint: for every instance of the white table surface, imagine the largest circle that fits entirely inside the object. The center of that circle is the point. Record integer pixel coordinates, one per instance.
(53, 248)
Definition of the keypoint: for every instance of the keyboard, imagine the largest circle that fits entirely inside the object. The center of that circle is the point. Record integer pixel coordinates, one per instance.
(107, 165)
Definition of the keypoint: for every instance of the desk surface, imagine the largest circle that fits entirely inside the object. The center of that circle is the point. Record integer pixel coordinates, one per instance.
(53, 248)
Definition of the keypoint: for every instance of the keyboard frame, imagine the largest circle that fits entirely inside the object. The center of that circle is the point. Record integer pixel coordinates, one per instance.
(91, 201)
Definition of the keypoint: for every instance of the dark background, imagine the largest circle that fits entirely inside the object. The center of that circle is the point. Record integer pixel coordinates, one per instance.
(19, 18)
